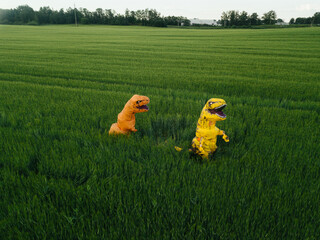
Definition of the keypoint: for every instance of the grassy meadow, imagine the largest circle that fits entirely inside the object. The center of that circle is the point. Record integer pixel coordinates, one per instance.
(63, 177)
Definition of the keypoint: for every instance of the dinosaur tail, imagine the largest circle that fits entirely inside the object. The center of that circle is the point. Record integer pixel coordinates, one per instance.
(179, 149)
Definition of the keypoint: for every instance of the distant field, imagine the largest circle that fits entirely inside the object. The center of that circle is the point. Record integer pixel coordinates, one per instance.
(63, 177)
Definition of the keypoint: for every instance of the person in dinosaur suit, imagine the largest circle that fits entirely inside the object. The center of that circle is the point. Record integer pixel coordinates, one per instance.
(126, 118)
(204, 143)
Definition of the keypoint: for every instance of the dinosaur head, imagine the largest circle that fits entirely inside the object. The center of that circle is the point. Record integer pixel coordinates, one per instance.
(213, 109)
(139, 103)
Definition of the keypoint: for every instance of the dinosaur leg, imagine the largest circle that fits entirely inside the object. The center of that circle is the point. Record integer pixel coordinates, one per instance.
(197, 145)
(213, 148)
(134, 129)
(114, 129)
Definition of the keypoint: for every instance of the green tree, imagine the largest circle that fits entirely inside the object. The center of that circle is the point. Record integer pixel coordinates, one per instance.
(269, 17)
(304, 20)
(86, 16)
(230, 18)
(130, 17)
(225, 19)
(254, 19)
(316, 18)
(233, 17)
(291, 21)
(43, 15)
(186, 21)
(99, 16)
(24, 14)
(243, 18)
(61, 17)
(7, 16)
(152, 14)
(109, 16)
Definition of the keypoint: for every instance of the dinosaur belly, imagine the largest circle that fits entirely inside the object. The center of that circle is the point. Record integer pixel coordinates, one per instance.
(205, 141)
(208, 133)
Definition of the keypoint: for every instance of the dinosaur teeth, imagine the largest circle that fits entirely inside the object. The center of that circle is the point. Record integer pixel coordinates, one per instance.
(221, 114)
(218, 111)
(144, 107)
(221, 107)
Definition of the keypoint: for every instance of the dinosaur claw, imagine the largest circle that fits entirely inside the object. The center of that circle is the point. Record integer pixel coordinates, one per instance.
(225, 138)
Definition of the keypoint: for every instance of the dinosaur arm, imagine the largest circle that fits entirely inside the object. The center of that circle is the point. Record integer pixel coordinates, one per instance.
(224, 135)
(220, 132)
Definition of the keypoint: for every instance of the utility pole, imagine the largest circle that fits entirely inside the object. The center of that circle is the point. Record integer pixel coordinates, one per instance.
(75, 15)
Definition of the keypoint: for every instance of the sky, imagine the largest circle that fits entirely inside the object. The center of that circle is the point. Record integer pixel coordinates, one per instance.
(203, 9)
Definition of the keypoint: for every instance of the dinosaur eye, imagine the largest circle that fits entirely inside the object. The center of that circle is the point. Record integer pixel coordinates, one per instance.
(138, 101)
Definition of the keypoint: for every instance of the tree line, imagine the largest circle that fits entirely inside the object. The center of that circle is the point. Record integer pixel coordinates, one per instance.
(148, 17)
(309, 20)
(236, 18)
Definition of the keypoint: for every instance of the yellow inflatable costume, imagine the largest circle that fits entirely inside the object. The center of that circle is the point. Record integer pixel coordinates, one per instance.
(204, 143)
(126, 118)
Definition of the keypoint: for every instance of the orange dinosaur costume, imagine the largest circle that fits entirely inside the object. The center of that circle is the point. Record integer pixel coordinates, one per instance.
(126, 118)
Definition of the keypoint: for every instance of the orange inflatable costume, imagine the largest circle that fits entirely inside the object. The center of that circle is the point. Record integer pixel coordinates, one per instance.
(126, 118)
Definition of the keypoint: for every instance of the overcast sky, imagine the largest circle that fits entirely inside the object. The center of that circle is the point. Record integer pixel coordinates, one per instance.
(203, 9)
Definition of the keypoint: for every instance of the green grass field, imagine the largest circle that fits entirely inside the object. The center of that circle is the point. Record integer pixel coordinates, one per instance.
(63, 177)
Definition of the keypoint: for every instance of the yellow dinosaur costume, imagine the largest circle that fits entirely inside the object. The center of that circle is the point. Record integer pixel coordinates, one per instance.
(126, 118)
(205, 140)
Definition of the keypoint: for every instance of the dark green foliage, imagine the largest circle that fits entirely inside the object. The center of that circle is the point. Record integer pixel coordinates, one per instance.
(301, 20)
(63, 177)
(316, 18)
(269, 17)
(147, 17)
(46, 15)
(234, 18)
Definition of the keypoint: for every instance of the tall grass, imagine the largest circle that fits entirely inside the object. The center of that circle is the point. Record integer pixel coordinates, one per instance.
(63, 177)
